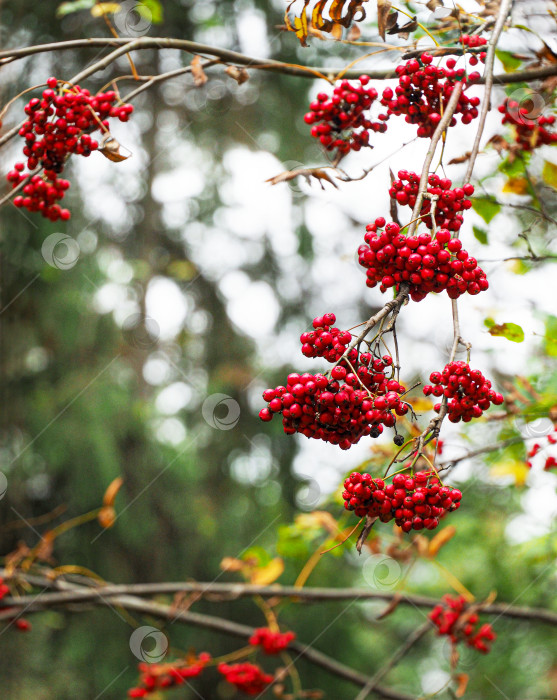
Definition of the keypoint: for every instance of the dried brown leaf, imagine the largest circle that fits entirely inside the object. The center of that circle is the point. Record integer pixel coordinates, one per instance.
(199, 77)
(341, 14)
(237, 73)
(461, 159)
(383, 9)
(318, 173)
(110, 148)
(43, 551)
(362, 537)
(354, 33)
(405, 30)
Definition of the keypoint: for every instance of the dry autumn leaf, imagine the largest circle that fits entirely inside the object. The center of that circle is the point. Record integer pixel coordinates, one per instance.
(199, 77)
(462, 681)
(231, 564)
(110, 148)
(341, 14)
(441, 539)
(240, 75)
(318, 173)
(383, 9)
(106, 517)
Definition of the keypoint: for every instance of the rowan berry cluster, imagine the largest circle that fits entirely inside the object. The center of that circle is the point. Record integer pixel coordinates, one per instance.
(248, 678)
(356, 398)
(468, 392)
(452, 619)
(156, 677)
(426, 263)
(529, 132)
(448, 205)
(59, 124)
(339, 122)
(424, 90)
(415, 502)
(325, 340)
(551, 460)
(271, 642)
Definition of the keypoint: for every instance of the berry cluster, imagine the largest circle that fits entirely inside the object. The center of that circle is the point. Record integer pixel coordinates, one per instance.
(468, 392)
(452, 619)
(271, 642)
(358, 398)
(472, 42)
(155, 677)
(339, 121)
(426, 263)
(59, 124)
(424, 90)
(529, 132)
(447, 208)
(415, 502)
(551, 460)
(248, 678)
(325, 341)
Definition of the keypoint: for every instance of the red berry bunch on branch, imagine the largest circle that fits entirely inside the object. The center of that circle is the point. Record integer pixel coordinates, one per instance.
(59, 124)
(414, 502)
(530, 132)
(155, 677)
(468, 392)
(271, 642)
(550, 460)
(426, 263)
(424, 90)
(448, 205)
(356, 398)
(459, 624)
(248, 678)
(340, 122)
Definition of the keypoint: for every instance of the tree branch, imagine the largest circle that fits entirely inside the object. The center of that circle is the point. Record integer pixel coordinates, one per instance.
(221, 592)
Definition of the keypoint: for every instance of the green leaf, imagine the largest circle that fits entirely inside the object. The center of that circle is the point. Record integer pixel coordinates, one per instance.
(551, 336)
(151, 10)
(510, 61)
(510, 331)
(489, 322)
(549, 174)
(486, 208)
(66, 8)
(480, 234)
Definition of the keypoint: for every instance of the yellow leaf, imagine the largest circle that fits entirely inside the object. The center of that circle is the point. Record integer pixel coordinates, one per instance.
(516, 185)
(105, 8)
(267, 574)
(549, 174)
(232, 564)
(440, 539)
(511, 467)
(420, 404)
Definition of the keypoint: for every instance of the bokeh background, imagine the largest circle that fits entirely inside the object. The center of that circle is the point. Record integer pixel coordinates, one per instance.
(140, 346)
